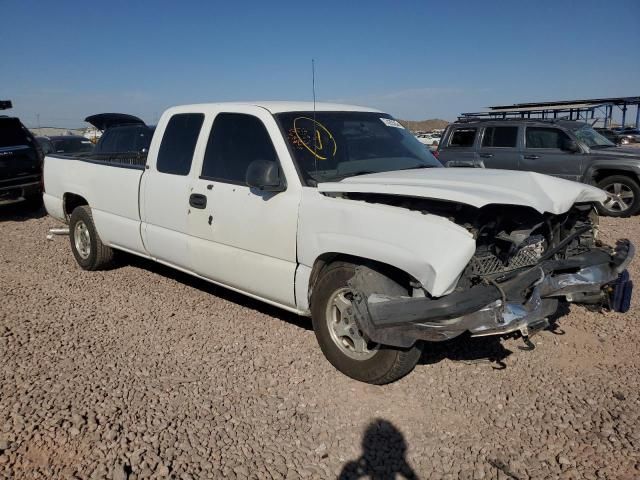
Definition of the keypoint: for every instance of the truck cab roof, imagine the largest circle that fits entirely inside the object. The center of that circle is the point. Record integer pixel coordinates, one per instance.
(281, 106)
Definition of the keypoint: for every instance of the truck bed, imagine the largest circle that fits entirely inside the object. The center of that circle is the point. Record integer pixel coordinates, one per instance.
(110, 185)
(124, 159)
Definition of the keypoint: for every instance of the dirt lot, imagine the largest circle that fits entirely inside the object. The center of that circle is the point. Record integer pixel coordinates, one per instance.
(142, 372)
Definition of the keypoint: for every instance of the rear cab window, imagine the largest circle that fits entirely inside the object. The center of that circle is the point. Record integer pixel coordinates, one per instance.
(500, 137)
(463, 137)
(179, 143)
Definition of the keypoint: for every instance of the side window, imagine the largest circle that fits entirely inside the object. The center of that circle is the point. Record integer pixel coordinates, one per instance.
(179, 142)
(47, 147)
(235, 141)
(502, 137)
(544, 137)
(463, 137)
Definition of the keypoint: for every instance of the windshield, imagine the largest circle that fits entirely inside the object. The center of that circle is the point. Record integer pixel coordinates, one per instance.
(331, 146)
(591, 138)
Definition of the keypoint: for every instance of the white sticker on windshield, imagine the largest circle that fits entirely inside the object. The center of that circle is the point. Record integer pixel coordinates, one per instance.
(390, 122)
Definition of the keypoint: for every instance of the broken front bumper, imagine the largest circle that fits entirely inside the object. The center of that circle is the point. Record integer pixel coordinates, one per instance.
(520, 304)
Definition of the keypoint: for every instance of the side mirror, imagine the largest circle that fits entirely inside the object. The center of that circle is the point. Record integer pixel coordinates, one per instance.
(570, 146)
(264, 175)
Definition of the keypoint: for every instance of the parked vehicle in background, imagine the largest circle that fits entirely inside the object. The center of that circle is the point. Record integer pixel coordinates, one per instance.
(65, 144)
(629, 133)
(46, 145)
(125, 138)
(20, 163)
(338, 212)
(429, 139)
(613, 136)
(562, 148)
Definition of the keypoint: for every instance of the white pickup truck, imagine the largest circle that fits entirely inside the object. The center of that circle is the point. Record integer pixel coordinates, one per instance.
(337, 212)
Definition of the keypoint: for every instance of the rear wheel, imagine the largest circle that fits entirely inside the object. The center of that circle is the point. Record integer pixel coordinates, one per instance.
(87, 248)
(343, 343)
(623, 196)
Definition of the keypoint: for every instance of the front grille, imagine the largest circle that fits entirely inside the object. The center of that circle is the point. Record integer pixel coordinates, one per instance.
(486, 263)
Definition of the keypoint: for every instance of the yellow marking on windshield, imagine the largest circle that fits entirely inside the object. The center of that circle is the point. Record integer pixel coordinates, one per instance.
(319, 147)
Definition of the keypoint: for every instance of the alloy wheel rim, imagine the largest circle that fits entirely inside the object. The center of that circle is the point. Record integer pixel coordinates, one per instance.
(82, 240)
(620, 197)
(344, 331)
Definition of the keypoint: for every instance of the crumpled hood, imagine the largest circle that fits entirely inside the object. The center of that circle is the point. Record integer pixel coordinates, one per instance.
(474, 186)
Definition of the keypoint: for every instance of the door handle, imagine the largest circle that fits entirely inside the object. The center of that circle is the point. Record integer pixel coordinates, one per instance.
(197, 200)
(531, 157)
(486, 155)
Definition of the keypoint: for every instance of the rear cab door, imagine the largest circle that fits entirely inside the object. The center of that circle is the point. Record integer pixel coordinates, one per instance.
(543, 153)
(459, 147)
(500, 146)
(167, 183)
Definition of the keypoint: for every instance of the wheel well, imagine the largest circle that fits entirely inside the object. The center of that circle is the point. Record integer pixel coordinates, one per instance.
(71, 202)
(326, 259)
(602, 174)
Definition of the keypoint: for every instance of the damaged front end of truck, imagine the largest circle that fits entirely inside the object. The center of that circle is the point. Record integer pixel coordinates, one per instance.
(525, 263)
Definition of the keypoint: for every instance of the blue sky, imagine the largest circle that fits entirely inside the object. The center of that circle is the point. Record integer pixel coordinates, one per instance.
(65, 60)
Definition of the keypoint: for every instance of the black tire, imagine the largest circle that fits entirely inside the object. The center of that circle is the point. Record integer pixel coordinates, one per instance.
(387, 364)
(98, 255)
(618, 207)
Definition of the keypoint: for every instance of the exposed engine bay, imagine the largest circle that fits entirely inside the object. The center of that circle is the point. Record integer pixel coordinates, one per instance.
(507, 237)
(524, 263)
(511, 238)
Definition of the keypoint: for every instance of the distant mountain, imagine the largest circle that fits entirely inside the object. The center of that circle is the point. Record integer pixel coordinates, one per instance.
(424, 125)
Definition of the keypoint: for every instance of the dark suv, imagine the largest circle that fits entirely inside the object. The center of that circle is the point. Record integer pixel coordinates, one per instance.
(20, 163)
(562, 148)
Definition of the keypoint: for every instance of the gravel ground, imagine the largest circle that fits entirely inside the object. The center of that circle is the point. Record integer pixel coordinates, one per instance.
(142, 372)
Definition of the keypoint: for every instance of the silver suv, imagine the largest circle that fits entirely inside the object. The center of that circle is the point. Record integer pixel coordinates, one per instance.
(562, 148)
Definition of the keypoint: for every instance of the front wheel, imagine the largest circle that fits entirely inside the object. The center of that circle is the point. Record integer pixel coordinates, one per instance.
(623, 196)
(341, 340)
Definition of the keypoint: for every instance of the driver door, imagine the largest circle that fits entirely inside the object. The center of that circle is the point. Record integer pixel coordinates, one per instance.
(242, 237)
(543, 152)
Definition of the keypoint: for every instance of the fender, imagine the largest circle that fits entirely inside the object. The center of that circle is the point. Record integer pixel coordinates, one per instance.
(630, 166)
(430, 248)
